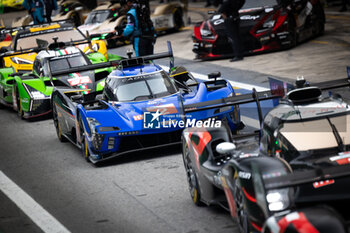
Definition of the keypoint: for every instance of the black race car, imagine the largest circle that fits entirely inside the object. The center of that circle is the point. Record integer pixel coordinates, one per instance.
(292, 176)
(265, 25)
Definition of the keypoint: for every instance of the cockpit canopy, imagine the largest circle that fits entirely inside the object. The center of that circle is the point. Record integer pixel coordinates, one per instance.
(139, 87)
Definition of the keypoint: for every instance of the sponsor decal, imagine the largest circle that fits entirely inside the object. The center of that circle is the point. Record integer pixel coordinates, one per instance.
(322, 183)
(138, 117)
(219, 21)
(244, 175)
(79, 80)
(249, 17)
(152, 120)
(342, 158)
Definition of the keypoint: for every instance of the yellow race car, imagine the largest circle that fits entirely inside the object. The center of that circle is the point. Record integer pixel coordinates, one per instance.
(23, 49)
(12, 3)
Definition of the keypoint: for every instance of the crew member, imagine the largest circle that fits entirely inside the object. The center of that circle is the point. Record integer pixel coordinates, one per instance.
(140, 28)
(50, 5)
(230, 12)
(35, 9)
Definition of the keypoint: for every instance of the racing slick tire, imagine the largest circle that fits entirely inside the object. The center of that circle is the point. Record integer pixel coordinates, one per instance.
(192, 179)
(84, 145)
(85, 150)
(57, 125)
(242, 216)
(18, 102)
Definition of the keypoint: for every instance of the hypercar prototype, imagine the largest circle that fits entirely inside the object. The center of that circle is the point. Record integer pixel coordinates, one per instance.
(141, 107)
(168, 16)
(292, 176)
(30, 93)
(67, 10)
(24, 46)
(17, 4)
(265, 25)
(103, 21)
(71, 9)
(7, 34)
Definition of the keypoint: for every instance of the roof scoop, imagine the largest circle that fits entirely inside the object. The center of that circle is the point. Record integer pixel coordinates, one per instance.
(304, 95)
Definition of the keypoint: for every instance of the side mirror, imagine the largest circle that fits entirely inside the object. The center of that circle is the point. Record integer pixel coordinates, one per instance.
(225, 148)
(79, 8)
(77, 98)
(214, 75)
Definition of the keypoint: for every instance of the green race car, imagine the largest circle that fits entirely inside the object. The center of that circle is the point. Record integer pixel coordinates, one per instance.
(30, 93)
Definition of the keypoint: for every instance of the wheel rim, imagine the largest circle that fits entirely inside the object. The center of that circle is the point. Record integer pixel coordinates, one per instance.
(19, 105)
(241, 213)
(56, 123)
(86, 149)
(59, 130)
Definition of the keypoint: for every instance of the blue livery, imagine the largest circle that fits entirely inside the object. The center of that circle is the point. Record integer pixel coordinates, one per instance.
(141, 107)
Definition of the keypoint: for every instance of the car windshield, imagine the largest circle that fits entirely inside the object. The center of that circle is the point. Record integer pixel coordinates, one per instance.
(29, 42)
(317, 133)
(259, 3)
(66, 62)
(141, 87)
(97, 17)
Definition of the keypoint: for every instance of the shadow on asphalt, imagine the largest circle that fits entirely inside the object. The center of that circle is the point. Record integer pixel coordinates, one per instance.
(142, 155)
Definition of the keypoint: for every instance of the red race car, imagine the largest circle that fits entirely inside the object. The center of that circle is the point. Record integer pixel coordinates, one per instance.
(265, 25)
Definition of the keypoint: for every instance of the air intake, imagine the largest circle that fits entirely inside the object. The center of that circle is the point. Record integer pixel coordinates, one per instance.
(304, 95)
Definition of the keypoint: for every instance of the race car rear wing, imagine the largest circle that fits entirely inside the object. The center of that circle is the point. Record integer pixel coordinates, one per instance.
(278, 89)
(128, 62)
(43, 46)
(305, 177)
(255, 96)
(68, 22)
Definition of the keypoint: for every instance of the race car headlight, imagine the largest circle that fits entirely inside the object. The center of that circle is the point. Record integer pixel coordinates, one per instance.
(111, 141)
(207, 34)
(93, 123)
(96, 138)
(269, 24)
(278, 199)
(20, 61)
(33, 93)
(95, 47)
(37, 95)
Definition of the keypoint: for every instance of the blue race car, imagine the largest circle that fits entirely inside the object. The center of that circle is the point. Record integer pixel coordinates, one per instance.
(141, 107)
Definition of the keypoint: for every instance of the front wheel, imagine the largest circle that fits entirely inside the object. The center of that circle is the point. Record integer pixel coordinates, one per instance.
(57, 125)
(20, 113)
(242, 216)
(191, 178)
(85, 149)
(84, 144)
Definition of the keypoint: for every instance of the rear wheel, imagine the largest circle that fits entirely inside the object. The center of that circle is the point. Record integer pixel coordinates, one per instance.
(57, 125)
(191, 178)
